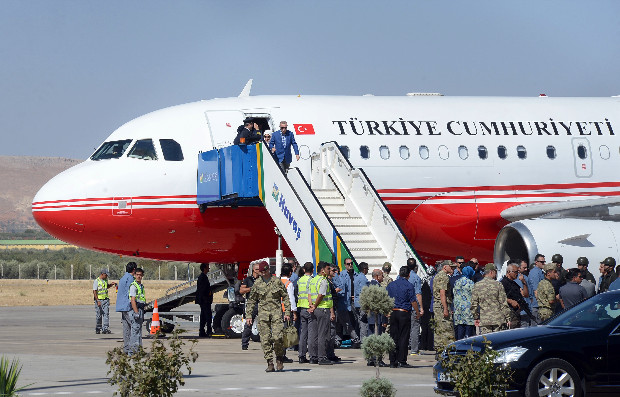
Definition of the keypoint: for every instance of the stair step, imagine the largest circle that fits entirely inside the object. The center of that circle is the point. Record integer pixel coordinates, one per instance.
(347, 221)
(370, 244)
(331, 200)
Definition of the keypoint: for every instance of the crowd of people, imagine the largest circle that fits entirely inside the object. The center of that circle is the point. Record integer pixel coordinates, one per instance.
(468, 299)
(326, 311)
(459, 299)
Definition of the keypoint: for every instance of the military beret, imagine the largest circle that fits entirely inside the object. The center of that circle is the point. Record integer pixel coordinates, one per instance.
(489, 267)
(549, 267)
(262, 266)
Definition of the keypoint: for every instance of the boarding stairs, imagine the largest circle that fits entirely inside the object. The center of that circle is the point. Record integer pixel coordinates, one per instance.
(336, 214)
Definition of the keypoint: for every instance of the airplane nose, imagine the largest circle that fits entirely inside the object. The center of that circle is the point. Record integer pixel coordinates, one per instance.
(56, 206)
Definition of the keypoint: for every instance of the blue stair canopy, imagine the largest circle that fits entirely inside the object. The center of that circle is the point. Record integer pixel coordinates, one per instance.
(228, 175)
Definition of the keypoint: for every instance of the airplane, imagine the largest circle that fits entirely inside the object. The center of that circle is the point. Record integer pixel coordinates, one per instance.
(484, 177)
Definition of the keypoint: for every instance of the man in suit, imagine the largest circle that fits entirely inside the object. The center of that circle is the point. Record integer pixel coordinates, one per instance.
(204, 298)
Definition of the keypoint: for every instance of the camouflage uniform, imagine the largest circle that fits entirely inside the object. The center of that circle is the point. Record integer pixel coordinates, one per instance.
(386, 280)
(444, 329)
(546, 294)
(489, 305)
(270, 296)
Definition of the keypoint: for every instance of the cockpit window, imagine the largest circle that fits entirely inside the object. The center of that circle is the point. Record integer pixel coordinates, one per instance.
(143, 150)
(171, 150)
(111, 150)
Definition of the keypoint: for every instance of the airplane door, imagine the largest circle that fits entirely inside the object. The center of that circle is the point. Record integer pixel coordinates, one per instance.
(583, 157)
(223, 126)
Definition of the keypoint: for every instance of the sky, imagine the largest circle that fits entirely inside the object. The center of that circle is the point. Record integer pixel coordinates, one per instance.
(71, 72)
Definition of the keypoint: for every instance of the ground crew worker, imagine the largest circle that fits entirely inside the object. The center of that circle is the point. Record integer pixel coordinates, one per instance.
(323, 309)
(102, 303)
(269, 293)
(489, 304)
(138, 302)
(546, 293)
(444, 329)
(303, 303)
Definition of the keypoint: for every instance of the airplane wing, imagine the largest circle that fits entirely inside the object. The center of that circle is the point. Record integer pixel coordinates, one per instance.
(601, 208)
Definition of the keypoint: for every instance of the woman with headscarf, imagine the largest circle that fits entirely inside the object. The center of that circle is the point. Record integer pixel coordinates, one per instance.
(463, 319)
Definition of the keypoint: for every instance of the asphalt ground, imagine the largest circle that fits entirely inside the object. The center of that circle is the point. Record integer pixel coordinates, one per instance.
(62, 355)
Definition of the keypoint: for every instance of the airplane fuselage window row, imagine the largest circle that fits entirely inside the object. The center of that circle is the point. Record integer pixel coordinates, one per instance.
(463, 152)
(143, 149)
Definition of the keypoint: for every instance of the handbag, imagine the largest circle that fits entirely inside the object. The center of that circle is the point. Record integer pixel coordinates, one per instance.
(291, 338)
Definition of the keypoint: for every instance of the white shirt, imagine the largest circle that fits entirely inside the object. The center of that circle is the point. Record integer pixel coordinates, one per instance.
(290, 289)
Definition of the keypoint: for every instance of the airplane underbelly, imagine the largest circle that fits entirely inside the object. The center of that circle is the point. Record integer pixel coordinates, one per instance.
(220, 234)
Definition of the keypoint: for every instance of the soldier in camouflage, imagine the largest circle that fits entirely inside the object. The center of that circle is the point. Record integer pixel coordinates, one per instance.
(270, 294)
(489, 304)
(386, 269)
(444, 329)
(545, 294)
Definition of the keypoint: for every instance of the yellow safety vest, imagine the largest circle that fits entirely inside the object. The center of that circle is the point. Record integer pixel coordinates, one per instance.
(102, 288)
(326, 302)
(302, 291)
(139, 292)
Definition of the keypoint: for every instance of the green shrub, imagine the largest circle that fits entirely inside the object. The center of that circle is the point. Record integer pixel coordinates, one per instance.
(155, 373)
(377, 387)
(9, 374)
(475, 373)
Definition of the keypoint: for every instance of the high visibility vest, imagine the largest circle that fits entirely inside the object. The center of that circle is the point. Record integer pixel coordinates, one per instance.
(102, 288)
(303, 291)
(286, 283)
(139, 292)
(326, 302)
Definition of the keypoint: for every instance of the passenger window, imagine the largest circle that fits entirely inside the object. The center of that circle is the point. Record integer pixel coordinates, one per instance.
(604, 152)
(404, 152)
(345, 151)
(463, 152)
(502, 152)
(111, 150)
(551, 152)
(483, 153)
(171, 150)
(444, 153)
(521, 152)
(364, 152)
(384, 152)
(143, 150)
(424, 153)
(582, 152)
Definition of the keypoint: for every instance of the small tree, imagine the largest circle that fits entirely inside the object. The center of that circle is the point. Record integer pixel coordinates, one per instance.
(475, 373)
(154, 373)
(375, 300)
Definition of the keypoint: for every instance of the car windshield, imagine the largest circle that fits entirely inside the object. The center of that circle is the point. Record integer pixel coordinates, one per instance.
(111, 150)
(596, 312)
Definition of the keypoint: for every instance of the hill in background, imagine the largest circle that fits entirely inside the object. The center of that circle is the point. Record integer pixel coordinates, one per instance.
(20, 179)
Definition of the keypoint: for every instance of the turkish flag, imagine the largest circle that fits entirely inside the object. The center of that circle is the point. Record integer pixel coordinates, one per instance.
(304, 129)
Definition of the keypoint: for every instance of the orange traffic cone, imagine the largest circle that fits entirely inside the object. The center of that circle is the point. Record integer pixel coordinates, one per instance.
(155, 321)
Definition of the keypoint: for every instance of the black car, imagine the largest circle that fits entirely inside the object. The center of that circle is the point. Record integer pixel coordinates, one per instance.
(574, 353)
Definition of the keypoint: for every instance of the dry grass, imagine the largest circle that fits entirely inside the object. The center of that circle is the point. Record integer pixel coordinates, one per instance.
(64, 292)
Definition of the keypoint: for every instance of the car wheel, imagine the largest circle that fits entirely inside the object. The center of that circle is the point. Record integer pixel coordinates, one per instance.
(553, 377)
(232, 323)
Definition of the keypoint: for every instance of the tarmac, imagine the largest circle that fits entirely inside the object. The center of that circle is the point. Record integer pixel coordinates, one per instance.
(62, 355)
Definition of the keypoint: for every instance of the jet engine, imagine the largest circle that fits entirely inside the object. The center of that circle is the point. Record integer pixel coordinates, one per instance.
(593, 238)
